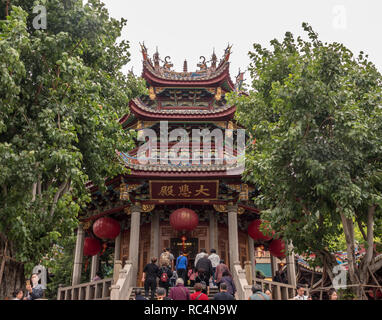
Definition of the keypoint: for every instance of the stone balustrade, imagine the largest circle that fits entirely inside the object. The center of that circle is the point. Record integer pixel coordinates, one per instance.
(95, 290)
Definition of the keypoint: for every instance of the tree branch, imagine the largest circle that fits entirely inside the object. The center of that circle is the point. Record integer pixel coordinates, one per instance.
(370, 234)
(56, 197)
(3, 261)
(6, 8)
(34, 188)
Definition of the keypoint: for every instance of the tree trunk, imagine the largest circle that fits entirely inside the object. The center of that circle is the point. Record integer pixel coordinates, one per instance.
(13, 273)
(348, 226)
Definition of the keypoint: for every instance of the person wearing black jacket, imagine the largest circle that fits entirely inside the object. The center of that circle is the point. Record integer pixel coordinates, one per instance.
(223, 294)
(204, 269)
(164, 274)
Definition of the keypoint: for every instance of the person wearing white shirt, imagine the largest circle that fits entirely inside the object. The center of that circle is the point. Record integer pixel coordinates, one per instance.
(300, 294)
(215, 260)
(202, 253)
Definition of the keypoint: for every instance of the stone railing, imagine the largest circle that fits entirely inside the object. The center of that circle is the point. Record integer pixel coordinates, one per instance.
(241, 283)
(123, 286)
(280, 291)
(95, 290)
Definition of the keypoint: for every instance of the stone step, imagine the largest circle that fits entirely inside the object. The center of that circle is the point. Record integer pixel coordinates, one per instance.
(191, 289)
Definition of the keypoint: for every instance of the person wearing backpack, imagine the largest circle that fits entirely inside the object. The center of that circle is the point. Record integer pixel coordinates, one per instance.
(198, 294)
(181, 266)
(204, 269)
(166, 258)
(164, 275)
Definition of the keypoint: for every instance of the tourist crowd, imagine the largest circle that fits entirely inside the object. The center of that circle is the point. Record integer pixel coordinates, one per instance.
(168, 279)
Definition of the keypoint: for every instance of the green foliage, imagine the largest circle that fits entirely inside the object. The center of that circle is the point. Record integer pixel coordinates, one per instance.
(315, 111)
(59, 263)
(62, 93)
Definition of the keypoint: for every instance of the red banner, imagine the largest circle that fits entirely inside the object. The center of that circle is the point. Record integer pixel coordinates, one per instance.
(182, 190)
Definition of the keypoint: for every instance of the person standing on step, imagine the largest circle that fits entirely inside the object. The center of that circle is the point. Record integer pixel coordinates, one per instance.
(181, 266)
(166, 258)
(198, 294)
(149, 278)
(219, 271)
(223, 294)
(227, 278)
(215, 260)
(204, 269)
(201, 254)
(179, 292)
(138, 295)
(161, 294)
(164, 275)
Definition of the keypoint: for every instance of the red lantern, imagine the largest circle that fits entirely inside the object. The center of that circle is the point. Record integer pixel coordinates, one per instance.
(184, 219)
(255, 233)
(277, 248)
(106, 228)
(91, 246)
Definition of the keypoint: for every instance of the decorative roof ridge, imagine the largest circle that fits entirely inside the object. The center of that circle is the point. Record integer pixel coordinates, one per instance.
(140, 104)
(164, 71)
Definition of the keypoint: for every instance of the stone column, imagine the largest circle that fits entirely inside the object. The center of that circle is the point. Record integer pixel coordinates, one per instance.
(273, 265)
(291, 266)
(154, 241)
(94, 267)
(117, 248)
(134, 239)
(233, 237)
(251, 249)
(213, 231)
(78, 256)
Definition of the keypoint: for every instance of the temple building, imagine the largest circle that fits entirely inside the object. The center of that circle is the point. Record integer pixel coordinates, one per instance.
(183, 205)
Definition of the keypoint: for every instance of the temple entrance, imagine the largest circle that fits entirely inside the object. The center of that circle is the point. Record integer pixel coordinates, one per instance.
(190, 247)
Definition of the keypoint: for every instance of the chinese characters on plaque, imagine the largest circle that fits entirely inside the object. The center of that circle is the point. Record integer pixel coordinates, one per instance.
(180, 190)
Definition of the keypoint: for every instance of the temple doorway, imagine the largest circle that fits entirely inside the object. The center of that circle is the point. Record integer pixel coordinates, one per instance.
(191, 247)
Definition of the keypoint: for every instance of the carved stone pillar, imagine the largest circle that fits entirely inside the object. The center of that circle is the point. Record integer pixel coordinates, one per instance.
(213, 231)
(94, 267)
(291, 266)
(78, 256)
(134, 239)
(154, 240)
(233, 237)
(251, 249)
(273, 265)
(117, 248)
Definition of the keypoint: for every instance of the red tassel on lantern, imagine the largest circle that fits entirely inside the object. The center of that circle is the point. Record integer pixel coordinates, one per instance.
(104, 245)
(86, 263)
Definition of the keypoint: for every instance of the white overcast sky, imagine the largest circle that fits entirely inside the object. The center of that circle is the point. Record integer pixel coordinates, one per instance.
(188, 29)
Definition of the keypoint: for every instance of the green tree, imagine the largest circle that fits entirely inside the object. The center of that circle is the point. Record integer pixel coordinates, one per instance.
(315, 112)
(61, 95)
